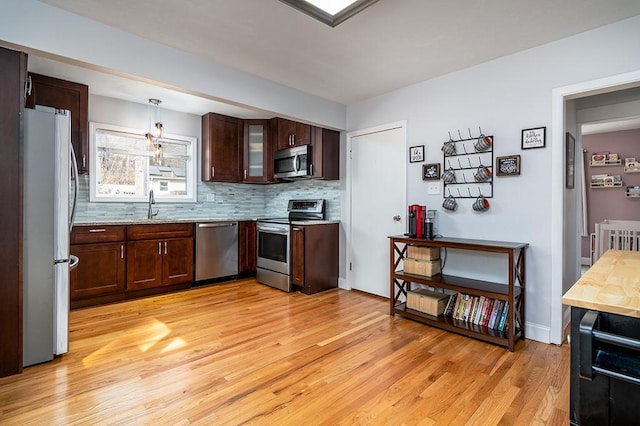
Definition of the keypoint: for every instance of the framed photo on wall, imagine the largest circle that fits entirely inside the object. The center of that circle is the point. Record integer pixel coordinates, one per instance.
(416, 154)
(534, 137)
(509, 165)
(431, 171)
(570, 160)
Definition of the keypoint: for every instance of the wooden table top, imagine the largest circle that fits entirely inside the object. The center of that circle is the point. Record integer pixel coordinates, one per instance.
(611, 285)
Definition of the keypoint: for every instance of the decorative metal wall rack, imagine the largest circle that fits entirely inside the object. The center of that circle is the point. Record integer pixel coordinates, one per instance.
(468, 166)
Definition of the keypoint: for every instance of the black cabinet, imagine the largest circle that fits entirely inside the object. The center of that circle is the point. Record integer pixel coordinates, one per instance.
(605, 368)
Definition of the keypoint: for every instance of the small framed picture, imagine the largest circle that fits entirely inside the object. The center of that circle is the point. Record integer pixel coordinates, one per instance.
(533, 138)
(416, 154)
(509, 165)
(431, 171)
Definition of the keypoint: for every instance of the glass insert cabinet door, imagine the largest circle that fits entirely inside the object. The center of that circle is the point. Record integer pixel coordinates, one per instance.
(256, 150)
(255, 153)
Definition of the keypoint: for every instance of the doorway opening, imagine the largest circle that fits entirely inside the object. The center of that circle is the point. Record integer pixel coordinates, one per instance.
(565, 230)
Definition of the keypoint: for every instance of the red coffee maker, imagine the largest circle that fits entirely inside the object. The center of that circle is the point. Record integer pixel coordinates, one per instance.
(416, 221)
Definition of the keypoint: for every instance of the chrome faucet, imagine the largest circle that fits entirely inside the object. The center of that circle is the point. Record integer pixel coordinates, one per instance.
(152, 201)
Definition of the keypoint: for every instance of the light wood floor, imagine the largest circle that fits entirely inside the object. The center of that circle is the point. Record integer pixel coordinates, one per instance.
(245, 353)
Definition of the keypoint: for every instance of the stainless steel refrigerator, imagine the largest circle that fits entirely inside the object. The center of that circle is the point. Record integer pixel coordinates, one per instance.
(49, 194)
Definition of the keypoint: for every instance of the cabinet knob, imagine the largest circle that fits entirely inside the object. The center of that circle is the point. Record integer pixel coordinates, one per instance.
(245, 174)
(165, 247)
(159, 248)
(121, 251)
(213, 171)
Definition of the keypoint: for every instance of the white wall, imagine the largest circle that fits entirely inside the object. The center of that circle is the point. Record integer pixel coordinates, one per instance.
(136, 116)
(505, 96)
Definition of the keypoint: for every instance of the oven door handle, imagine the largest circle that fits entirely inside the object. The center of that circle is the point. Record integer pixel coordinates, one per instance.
(273, 230)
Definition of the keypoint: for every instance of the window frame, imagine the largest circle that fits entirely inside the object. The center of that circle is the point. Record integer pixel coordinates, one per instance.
(190, 169)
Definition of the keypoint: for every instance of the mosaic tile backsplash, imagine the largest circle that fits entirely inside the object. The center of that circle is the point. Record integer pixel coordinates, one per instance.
(231, 201)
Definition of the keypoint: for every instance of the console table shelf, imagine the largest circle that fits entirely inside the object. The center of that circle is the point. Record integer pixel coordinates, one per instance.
(513, 292)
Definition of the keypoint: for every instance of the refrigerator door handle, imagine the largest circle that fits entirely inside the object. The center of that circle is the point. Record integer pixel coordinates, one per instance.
(74, 179)
(73, 262)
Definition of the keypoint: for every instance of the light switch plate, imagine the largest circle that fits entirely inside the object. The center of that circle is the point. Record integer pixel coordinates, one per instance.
(211, 197)
(433, 188)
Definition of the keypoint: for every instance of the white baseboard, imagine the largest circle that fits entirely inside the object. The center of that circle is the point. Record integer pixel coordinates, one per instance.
(343, 284)
(537, 332)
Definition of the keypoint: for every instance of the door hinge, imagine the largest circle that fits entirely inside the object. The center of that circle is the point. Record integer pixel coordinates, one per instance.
(351, 154)
(350, 266)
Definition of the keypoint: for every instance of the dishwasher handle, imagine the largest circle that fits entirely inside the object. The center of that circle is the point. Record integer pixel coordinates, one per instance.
(217, 225)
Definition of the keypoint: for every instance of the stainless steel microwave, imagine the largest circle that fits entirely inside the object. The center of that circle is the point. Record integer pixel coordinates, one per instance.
(293, 162)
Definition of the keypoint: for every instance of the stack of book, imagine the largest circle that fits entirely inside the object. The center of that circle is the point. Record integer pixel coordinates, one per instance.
(478, 311)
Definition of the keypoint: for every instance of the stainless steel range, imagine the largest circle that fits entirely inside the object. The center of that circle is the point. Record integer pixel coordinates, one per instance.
(274, 245)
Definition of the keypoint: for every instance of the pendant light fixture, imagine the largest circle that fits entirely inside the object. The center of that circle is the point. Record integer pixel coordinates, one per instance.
(156, 129)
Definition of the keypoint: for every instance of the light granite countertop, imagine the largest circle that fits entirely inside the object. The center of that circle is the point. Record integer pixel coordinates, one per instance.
(193, 220)
(611, 285)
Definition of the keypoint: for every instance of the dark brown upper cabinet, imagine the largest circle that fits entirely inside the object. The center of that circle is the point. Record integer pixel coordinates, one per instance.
(325, 156)
(291, 133)
(221, 148)
(62, 94)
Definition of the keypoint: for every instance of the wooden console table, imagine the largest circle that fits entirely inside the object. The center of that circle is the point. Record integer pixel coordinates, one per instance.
(513, 292)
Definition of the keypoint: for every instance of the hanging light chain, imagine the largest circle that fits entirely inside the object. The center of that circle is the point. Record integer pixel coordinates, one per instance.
(156, 130)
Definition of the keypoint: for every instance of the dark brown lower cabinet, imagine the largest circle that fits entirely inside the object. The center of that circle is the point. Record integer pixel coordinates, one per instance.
(177, 261)
(100, 271)
(247, 254)
(156, 263)
(100, 275)
(314, 257)
(119, 262)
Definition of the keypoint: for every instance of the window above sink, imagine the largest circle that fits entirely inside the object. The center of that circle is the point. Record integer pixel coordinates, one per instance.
(125, 169)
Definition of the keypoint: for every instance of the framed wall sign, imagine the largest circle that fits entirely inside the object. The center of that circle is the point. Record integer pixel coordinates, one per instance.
(533, 138)
(431, 171)
(509, 165)
(570, 159)
(416, 154)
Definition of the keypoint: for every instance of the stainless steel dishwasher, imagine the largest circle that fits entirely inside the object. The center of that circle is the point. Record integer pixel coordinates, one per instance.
(216, 250)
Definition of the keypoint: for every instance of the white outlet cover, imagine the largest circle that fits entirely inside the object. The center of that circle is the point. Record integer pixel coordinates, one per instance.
(433, 188)
(211, 197)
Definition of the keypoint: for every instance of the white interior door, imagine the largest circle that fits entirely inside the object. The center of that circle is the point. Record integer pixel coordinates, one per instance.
(377, 204)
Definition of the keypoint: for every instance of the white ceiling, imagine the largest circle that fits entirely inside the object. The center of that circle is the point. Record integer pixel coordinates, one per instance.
(391, 44)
